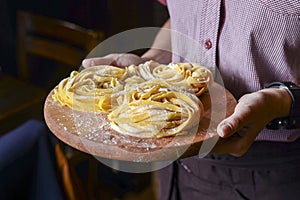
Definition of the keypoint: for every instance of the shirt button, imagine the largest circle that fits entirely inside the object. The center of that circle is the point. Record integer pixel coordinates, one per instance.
(208, 44)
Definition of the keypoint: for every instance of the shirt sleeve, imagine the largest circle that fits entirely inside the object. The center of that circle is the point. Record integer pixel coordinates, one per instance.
(163, 2)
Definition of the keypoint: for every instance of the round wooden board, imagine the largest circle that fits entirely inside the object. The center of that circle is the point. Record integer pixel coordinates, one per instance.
(91, 132)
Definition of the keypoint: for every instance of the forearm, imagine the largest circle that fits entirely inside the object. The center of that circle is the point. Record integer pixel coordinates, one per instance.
(160, 50)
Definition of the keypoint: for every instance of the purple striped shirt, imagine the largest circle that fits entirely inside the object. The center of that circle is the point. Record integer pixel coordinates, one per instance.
(258, 43)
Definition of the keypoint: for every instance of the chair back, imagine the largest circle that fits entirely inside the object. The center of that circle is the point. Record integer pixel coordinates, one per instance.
(52, 39)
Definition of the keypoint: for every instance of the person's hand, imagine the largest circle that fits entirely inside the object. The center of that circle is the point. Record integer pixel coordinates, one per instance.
(252, 113)
(118, 60)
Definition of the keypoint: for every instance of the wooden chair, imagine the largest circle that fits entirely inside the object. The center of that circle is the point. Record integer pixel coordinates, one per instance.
(63, 43)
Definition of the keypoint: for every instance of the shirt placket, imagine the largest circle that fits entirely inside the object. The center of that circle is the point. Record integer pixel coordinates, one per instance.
(209, 32)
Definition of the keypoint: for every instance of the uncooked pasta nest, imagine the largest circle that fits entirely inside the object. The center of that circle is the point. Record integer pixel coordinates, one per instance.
(151, 100)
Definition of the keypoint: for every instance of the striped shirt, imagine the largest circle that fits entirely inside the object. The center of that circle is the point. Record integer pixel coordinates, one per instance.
(250, 42)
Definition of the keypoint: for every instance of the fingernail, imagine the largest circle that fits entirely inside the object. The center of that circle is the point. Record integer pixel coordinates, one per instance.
(222, 129)
(84, 63)
(88, 63)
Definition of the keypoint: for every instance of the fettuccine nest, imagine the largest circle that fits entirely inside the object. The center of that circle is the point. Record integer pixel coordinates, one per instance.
(146, 101)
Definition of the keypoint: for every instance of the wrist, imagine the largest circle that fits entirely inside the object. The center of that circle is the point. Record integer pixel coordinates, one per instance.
(289, 118)
(279, 100)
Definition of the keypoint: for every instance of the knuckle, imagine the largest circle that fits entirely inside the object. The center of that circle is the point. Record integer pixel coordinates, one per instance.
(234, 123)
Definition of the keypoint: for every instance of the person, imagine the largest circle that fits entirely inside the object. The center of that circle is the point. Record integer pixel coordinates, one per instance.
(27, 166)
(252, 44)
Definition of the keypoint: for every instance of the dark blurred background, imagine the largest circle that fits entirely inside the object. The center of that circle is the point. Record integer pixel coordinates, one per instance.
(110, 16)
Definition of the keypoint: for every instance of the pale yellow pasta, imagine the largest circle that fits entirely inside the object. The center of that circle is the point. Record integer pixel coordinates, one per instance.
(191, 76)
(132, 76)
(92, 89)
(149, 100)
(155, 109)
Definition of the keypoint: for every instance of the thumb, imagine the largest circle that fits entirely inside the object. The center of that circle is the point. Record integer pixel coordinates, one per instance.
(229, 126)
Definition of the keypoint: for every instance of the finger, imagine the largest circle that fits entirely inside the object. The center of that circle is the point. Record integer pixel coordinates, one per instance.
(230, 126)
(124, 60)
(235, 145)
(90, 62)
(234, 123)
